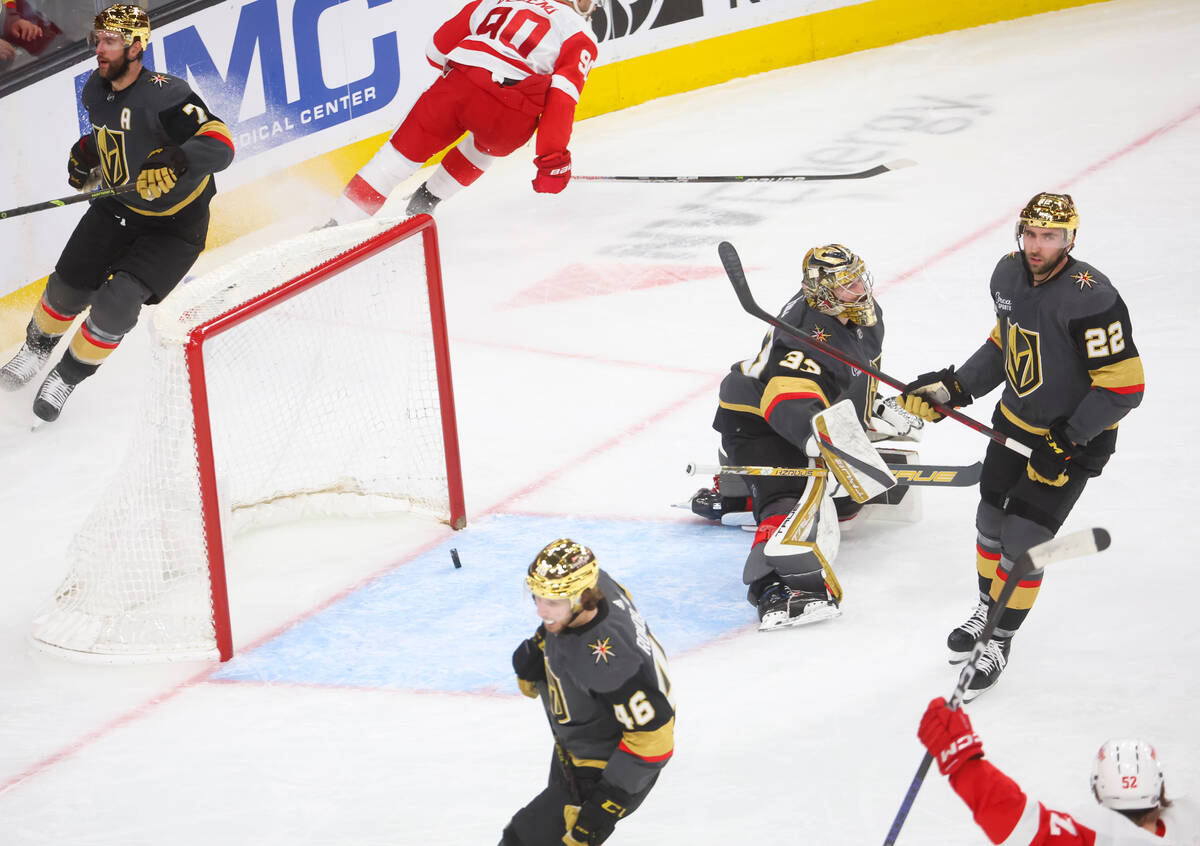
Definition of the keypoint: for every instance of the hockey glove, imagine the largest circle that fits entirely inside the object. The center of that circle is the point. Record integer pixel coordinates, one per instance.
(160, 171)
(948, 736)
(529, 662)
(940, 387)
(1050, 459)
(81, 165)
(597, 817)
(554, 172)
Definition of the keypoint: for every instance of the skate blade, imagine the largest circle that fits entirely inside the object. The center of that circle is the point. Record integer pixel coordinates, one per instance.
(957, 658)
(813, 613)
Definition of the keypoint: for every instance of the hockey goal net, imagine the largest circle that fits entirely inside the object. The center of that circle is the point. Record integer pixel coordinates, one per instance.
(309, 378)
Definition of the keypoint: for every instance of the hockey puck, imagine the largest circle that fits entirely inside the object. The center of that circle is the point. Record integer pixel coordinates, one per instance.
(454, 558)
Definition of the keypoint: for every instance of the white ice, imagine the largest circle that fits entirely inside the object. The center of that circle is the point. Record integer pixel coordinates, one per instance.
(589, 333)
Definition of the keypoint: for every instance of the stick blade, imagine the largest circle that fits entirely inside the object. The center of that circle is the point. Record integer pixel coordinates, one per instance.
(737, 278)
(1074, 545)
(899, 164)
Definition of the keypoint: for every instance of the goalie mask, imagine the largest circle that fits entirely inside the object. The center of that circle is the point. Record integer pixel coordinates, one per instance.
(128, 22)
(1126, 776)
(837, 283)
(564, 569)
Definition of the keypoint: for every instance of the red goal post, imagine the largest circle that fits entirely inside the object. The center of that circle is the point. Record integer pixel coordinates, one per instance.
(311, 377)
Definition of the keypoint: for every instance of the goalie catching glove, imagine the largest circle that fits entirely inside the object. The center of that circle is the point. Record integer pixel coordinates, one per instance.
(1049, 461)
(593, 822)
(940, 387)
(554, 172)
(161, 171)
(948, 736)
(81, 165)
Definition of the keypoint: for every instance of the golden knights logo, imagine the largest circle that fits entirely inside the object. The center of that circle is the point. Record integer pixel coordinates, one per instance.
(1023, 359)
(111, 145)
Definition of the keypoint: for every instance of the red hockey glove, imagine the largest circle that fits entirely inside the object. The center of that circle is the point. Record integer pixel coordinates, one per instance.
(948, 736)
(554, 172)
(81, 165)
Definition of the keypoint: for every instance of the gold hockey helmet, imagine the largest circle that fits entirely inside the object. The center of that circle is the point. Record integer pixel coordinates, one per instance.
(837, 283)
(130, 22)
(1050, 211)
(564, 569)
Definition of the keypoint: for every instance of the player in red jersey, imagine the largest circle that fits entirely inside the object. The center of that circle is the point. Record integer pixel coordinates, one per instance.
(1126, 780)
(509, 67)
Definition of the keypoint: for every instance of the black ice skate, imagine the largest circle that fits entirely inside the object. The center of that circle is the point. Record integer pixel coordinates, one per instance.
(51, 396)
(991, 664)
(422, 201)
(24, 365)
(962, 640)
(781, 607)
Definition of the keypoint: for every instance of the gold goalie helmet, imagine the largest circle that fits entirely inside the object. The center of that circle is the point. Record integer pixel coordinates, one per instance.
(1050, 211)
(129, 22)
(564, 569)
(837, 283)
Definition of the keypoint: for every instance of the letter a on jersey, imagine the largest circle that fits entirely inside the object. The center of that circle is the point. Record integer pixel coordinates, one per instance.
(1023, 359)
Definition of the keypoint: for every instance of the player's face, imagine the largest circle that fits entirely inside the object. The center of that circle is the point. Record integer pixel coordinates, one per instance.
(112, 59)
(555, 613)
(1045, 248)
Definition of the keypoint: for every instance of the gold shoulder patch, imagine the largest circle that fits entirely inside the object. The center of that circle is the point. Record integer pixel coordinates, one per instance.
(1084, 279)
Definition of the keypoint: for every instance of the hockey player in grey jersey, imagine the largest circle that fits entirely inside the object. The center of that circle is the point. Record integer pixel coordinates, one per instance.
(602, 679)
(765, 417)
(149, 131)
(1063, 347)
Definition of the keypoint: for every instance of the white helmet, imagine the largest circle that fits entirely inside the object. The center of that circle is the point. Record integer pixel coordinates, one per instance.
(1126, 775)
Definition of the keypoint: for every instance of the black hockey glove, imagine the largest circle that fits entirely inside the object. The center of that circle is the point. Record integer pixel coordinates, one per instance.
(81, 165)
(1050, 461)
(529, 662)
(160, 171)
(941, 387)
(597, 816)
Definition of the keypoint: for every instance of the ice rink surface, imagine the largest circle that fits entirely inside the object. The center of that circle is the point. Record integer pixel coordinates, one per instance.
(370, 701)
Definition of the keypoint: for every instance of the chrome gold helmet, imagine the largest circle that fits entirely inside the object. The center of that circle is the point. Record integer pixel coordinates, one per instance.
(1050, 211)
(130, 22)
(837, 283)
(564, 569)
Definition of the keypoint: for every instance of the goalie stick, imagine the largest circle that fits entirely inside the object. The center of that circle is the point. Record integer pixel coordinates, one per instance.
(779, 177)
(66, 201)
(933, 475)
(737, 277)
(1074, 545)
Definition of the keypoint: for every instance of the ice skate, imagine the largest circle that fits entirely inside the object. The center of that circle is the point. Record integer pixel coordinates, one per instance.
(422, 201)
(991, 664)
(781, 607)
(51, 396)
(23, 366)
(962, 639)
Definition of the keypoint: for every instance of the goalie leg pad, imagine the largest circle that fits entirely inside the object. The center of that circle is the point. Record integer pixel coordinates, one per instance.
(848, 453)
(800, 551)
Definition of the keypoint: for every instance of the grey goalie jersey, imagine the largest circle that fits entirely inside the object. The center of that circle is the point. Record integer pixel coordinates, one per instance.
(786, 383)
(609, 696)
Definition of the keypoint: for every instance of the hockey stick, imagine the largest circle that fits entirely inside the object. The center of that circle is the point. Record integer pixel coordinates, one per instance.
(782, 177)
(933, 475)
(66, 201)
(1074, 545)
(737, 277)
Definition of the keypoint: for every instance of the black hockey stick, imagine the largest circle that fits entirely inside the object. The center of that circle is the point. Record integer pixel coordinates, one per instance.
(1084, 542)
(737, 277)
(66, 201)
(779, 177)
(933, 475)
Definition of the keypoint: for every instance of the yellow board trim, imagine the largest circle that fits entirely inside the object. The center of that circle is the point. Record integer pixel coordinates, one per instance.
(863, 26)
